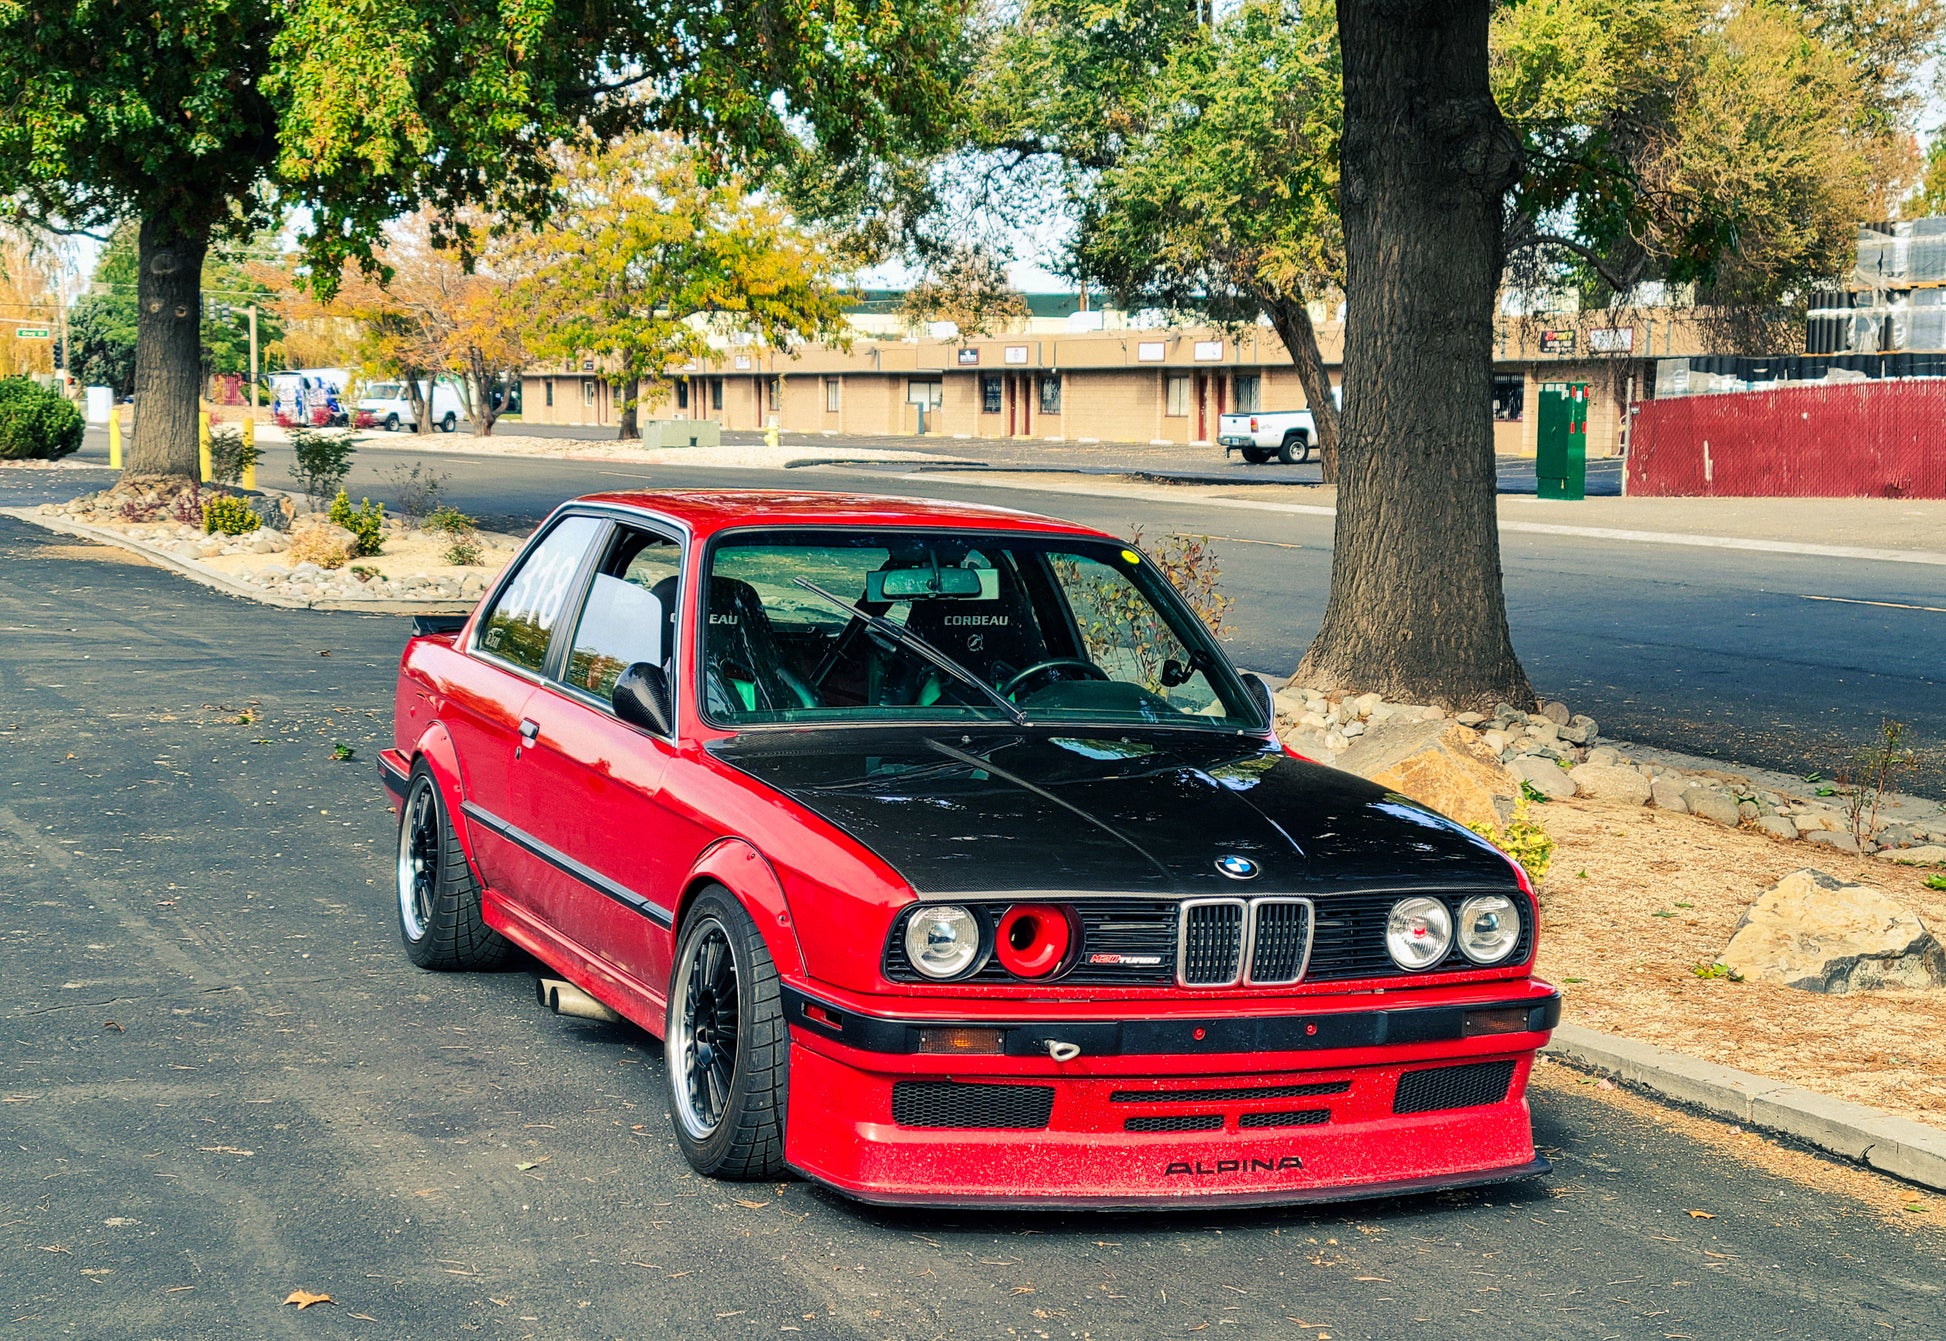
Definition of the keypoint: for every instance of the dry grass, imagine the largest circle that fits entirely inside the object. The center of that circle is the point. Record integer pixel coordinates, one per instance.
(1662, 893)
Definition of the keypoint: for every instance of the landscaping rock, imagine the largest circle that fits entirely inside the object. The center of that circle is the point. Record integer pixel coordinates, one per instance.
(1844, 842)
(1543, 775)
(1611, 782)
(1436, 764)
(1604, 756)
(1667, 795)
(1821, 934)
(1556, 713)
(1778, 827)
(1712, 804)
(1929, 855)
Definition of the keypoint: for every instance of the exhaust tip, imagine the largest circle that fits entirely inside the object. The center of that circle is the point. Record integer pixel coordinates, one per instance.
(564, 998)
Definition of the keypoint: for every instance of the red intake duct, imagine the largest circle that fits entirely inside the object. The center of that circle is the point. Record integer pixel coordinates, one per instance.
(1033, 939)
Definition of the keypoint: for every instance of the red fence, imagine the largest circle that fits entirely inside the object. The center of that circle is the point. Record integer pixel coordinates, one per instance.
(1879, 439)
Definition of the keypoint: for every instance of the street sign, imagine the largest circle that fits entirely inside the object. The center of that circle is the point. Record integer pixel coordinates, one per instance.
(33, 333)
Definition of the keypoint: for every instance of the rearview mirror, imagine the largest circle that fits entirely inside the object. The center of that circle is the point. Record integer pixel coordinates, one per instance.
(907, 584)
(641, 698)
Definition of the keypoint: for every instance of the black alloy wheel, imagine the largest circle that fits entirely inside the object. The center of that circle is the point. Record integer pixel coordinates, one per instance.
(440, 920)
(726, 1044)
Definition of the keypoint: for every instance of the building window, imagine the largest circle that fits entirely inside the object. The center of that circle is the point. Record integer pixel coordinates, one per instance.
(832, 395)
(770, 392)
(1175, 395)
(682, 393)
(924, 391)
(716, 393)
(989, 393)
(1249, 393)
(1051, 393)
(1509, 396)
(587, 391)
(550, 390)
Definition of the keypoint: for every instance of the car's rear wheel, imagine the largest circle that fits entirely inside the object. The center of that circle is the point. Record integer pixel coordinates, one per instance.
(439, 903)
(1256, 456)
(1295, 448)
(726, 1044)
(449, 424)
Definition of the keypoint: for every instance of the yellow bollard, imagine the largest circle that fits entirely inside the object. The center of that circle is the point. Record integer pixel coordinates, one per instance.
(202, 443)
(249, 441)
(114, 437)
(770, 434)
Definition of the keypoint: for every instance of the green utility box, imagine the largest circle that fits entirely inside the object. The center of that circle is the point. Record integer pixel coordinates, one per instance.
(1561, 450)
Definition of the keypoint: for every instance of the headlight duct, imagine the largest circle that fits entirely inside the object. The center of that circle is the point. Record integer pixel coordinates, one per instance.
(943, 941)
(1418, 933)
(1489, 928)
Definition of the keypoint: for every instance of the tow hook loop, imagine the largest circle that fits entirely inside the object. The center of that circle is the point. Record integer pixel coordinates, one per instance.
(1063, 1052)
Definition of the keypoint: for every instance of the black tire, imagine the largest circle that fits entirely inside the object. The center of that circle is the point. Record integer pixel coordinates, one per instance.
(724, 996)
(1256, 456)
(439, 903)
(450, 424)
(1294, 449)
(391, 423)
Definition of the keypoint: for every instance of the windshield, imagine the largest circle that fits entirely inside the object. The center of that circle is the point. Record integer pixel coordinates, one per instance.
(1052, 629)
(382, 391)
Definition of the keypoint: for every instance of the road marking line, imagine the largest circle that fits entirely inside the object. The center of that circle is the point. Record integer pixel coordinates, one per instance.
(1238, 540)
(1889, 605)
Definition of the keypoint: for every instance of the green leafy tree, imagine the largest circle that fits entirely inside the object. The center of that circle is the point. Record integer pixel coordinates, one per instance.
(195, 117)
(969, 288)
(649, 255)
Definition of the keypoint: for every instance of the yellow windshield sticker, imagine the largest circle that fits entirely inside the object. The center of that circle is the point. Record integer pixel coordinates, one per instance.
(1130, 556)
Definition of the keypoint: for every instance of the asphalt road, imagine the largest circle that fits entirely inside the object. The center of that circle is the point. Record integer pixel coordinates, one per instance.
(1722, 653)
(222, 1082)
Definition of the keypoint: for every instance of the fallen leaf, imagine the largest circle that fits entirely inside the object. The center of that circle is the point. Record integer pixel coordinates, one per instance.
(1380, 1279)
(753, 1205)
(1023, 1289)
(110, 1024)
(1702, 1215)
(304, 1299)
(533, 1163)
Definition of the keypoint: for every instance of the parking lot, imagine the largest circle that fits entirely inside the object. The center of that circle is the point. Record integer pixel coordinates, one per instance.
(223, 1083)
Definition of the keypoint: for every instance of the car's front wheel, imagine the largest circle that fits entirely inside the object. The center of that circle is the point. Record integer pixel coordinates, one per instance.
(439, 903)
(449, 424)
(726, 1044)
(391, 423)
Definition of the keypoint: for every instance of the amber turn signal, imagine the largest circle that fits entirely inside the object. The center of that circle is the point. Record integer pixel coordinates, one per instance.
(965, 1042)
(1508, 1020)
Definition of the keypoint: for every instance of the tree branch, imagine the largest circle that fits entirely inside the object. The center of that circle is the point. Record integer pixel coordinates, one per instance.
(1611, 277)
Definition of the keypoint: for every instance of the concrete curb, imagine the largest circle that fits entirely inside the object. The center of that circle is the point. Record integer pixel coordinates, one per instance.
(1898, 1146)
(218, 582)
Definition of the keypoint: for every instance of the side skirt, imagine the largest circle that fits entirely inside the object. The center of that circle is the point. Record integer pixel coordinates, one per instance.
(623, 993)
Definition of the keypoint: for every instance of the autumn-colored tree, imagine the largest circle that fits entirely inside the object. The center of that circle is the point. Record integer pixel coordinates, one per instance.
(29, 297)
(196, 116)
(649, 256)
(969, 288)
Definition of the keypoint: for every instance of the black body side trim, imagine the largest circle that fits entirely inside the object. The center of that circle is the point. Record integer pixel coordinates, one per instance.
(567, 865)
(426, 626)
(1173, 1037)
(392, 776)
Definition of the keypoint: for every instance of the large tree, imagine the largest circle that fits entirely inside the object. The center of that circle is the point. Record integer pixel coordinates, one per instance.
(194, 117)
(1416, 610)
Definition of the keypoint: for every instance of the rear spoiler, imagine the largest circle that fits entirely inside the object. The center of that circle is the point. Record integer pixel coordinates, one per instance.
(427, 626)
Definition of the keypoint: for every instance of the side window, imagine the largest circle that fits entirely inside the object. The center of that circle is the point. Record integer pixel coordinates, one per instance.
(524, 617)
(630, 614)
(1125, 635)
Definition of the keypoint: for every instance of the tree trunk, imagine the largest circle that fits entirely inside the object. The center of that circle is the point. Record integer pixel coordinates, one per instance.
(485, 413)
(421, 401)
(1292, 320)
(631, 430)
(1416, 609)
(168, 349)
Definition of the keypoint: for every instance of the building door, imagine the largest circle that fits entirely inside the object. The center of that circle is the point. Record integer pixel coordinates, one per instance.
(1013, 395)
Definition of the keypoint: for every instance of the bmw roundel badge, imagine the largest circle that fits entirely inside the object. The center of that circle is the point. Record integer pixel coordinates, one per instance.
(1237, 868)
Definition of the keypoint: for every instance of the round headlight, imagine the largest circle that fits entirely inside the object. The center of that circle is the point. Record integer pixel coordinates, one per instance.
(1418, 933)
(1489, 926)
(942, 941)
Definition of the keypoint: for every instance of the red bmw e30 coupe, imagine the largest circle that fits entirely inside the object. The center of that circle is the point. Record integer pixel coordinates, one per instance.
(955, 864)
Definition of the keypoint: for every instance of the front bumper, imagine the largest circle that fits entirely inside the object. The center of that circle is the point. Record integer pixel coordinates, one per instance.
(1146, 1129)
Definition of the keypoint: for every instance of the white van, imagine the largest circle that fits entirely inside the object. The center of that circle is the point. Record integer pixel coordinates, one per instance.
(386, 405)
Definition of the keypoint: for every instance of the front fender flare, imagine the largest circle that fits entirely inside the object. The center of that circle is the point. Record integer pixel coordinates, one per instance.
(741, 869)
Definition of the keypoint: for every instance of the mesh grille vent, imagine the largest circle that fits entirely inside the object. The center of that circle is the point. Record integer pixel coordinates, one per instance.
(928, 1103)
(1230, 1093)
(1444, 1087)
(1299, 1117)
(1280, 941)
(1176, 1122)
(1212, 943)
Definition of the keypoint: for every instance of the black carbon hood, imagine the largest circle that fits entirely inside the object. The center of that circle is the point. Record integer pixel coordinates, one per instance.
(1017, 810)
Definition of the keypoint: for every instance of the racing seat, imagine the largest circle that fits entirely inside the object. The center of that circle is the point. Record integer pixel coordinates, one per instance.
(993, 639)
(745, 671)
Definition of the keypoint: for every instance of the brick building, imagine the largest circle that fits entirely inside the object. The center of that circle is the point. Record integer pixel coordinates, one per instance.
(1114, 384)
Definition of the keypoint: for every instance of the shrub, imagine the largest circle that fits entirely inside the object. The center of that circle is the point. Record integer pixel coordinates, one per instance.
(321, 546)
(1524, 840)
(229, 516)
(366, 521)
(36, 422)
(416, 489)
(461, 532)
(187, 506)
(321, 465)
(229, 455)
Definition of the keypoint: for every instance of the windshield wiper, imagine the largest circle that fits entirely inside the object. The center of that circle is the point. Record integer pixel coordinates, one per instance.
(907, 638)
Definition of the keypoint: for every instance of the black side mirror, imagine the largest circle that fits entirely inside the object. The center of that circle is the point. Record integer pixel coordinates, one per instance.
(641, 698)
(1259, 691)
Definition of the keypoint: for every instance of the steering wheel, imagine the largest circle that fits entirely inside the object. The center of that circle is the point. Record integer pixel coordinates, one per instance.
(1054, 668)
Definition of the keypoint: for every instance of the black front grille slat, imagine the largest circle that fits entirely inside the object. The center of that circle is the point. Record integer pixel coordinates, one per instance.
(1212, 944)
(1438, 1088)
(1280, 941)
(931, 1103)
(1230, 1094)
(1347, 940)
(1176, 1122)
(1297, 1117)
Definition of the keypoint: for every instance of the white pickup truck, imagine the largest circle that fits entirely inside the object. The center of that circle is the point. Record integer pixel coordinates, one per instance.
(1288, 435)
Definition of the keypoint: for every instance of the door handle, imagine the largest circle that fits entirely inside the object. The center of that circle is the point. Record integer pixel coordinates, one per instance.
(529, 729)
